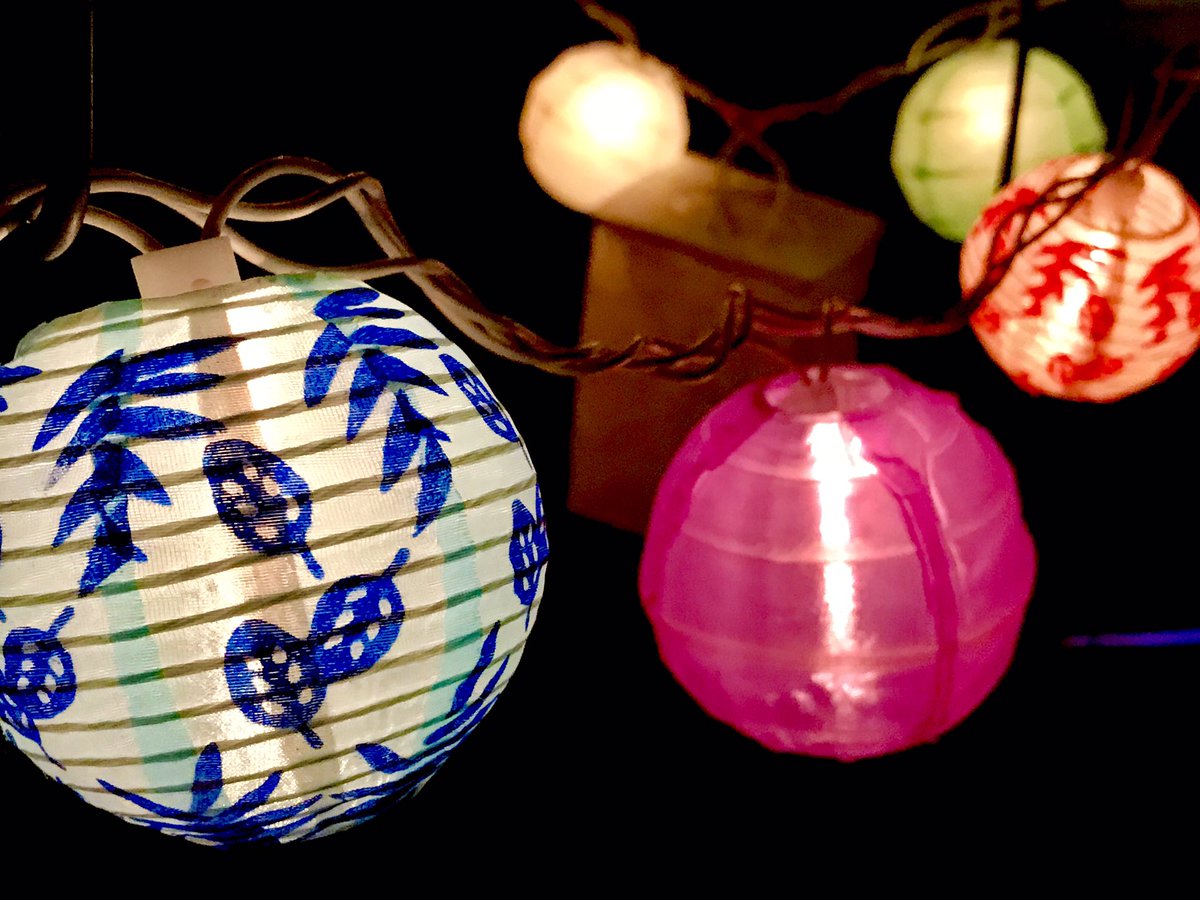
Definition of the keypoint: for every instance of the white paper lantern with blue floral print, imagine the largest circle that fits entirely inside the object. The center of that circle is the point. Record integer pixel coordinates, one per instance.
(270, 551)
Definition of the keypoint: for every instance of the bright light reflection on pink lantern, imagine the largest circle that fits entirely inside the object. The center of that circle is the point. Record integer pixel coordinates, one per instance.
(838, 569)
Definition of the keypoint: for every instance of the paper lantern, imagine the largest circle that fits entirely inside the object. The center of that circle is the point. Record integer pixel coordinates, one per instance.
(271, 550)
(838, 569)
(599, 118)
(952, 129)
(662, 259)
(1102, 304)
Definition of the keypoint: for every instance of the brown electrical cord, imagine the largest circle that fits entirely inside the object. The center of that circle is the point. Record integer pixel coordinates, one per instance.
(747, 319)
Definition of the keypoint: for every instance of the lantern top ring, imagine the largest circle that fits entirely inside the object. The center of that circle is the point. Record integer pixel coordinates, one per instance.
(830, 392)
(1137, 202)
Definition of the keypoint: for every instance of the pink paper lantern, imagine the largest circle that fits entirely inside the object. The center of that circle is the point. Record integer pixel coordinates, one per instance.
(1106, 301)
(838, 569)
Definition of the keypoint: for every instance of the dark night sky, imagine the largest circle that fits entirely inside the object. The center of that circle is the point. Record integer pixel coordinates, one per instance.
(593, 730)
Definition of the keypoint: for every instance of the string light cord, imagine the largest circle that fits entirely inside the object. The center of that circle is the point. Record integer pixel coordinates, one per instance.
(1162, 116)
(49, 225)
(618, 26)
(994, 19)
(449, 294)
(746, 318)
(747, 126)
(53, 222)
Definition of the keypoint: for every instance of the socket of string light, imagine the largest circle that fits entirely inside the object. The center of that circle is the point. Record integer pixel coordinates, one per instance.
(599, 118)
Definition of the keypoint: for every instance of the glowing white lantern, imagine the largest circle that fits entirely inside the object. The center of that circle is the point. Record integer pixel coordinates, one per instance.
(952, 129)
(271, 551)
(1103, 303)
(599, 118)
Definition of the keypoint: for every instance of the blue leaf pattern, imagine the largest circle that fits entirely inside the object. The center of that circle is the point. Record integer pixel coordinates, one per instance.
(402, 440)
(92, 431)
(140, 481)
(377, 336)
(366, 803)
(13, 374)
(116, 472)
(364, 393)
(279, 681)
(390, 369)
(414, 771)
(98, 381)
(164, 424)
(382, 759)
(435, 474)
(487, 653)
(528, 551)
(464, 713)
(274, 678)
(408, 429)
(261, 499)
(112, 546)
(348, 304)
(38, 678)
(238, 823)
(324, 359)
(173, 383)
(100, 395)
(153, 364)
(206, 786)
(481, 398)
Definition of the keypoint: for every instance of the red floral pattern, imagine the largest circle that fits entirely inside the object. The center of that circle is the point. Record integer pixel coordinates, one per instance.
(1165, 280)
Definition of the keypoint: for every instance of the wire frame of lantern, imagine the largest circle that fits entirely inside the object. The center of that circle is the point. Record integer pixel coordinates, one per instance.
(838, 569)
(1105, 299)
(271, 551)
(952, 128)
(600, 117)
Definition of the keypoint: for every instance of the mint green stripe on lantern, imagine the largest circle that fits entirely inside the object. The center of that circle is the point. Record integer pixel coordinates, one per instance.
(158, 731)
(122, 316)
(463, 628)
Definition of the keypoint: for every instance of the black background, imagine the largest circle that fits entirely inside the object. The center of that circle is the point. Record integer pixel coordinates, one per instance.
(595, 753)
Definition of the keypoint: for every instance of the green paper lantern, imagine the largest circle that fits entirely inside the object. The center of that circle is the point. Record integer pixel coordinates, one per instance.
(953, 126)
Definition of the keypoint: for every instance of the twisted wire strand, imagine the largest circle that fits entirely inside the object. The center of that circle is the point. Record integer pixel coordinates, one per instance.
(448, 293)
(746, 319)
(993, 18)
(747, 126)
(618, 26)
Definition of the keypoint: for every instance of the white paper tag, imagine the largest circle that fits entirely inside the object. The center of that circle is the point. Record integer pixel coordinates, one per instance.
(191, 267)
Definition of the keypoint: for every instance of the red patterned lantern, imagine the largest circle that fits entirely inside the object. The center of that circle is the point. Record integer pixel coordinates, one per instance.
(1105, 300)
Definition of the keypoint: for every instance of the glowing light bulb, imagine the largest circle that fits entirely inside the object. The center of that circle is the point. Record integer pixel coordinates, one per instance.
(952, 129)
(987, 113)
(837, 461)
(598, 119)
(617, 110)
